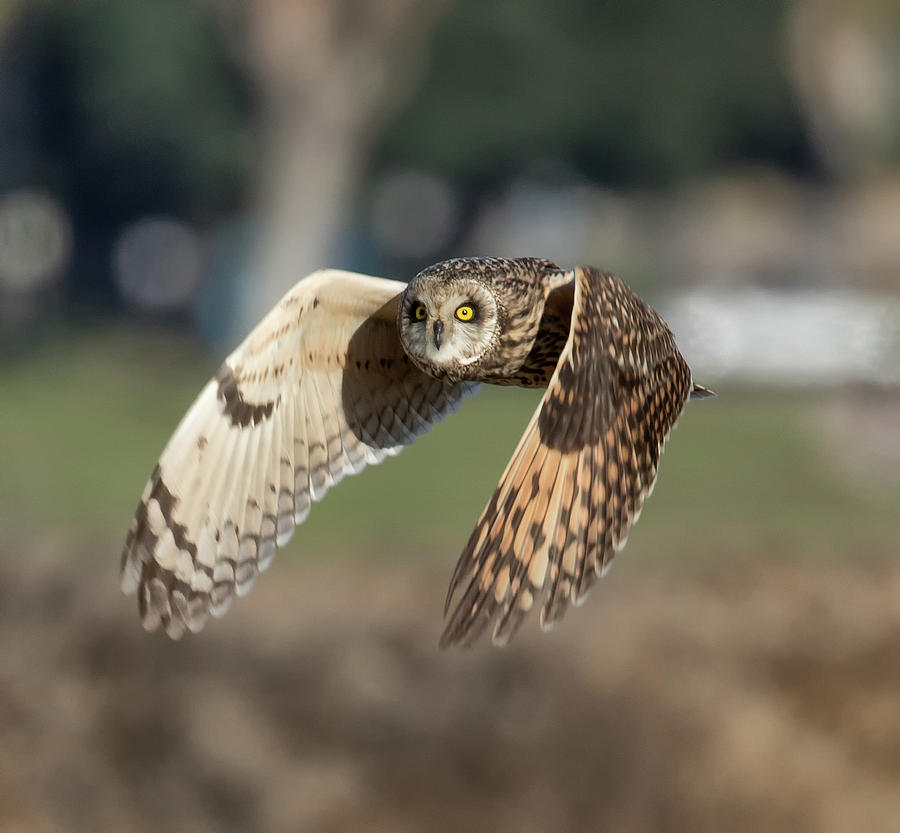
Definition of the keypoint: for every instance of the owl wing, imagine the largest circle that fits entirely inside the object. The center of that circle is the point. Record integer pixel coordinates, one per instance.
(581, 471)
(320, 389)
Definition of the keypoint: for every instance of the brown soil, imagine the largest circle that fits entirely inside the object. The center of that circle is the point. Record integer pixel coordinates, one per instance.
(730, 697)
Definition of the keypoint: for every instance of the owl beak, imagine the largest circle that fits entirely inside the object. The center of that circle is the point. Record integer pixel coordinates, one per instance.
(438, 333)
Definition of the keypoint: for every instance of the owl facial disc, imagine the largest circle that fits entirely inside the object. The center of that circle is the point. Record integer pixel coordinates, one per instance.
(447, 323)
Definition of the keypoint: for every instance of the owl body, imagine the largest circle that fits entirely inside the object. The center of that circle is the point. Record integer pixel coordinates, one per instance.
(348, 369)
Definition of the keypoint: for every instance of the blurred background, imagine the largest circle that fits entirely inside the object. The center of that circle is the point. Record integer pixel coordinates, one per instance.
(169, 169)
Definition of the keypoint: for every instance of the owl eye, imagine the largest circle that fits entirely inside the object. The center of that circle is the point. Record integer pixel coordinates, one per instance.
(465, 312)
(419, 313)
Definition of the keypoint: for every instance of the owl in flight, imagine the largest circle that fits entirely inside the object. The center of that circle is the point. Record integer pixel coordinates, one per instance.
(348, 369)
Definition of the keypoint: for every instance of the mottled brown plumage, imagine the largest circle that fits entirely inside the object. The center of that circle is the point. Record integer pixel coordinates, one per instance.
(580, 474)
(348, 369)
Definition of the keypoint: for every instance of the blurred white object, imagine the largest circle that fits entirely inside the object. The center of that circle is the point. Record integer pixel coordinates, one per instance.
(35, 241)
(788, 337)
(157, 264)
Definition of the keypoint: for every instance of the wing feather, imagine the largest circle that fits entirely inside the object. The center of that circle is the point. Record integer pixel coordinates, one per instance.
(320, 478)
(320, 389)
(286, 508)
(301, 457)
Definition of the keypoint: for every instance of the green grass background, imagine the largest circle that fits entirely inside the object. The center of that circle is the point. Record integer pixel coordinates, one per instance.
(85, 416)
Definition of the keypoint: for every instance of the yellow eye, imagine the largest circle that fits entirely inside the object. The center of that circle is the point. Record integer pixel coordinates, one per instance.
(420, 312)
(465, 313)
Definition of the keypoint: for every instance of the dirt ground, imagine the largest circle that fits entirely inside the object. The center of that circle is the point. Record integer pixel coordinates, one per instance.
(749, 696)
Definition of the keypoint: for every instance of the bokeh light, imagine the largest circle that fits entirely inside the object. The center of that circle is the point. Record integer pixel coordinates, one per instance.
(35, 240)
(157, 264)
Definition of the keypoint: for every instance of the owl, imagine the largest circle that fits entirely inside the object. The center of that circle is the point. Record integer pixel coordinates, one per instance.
(348, 369)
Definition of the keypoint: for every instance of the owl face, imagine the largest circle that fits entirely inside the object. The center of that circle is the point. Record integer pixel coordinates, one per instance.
(446, 323)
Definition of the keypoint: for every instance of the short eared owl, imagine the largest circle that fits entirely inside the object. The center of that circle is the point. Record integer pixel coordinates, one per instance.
(347, 369)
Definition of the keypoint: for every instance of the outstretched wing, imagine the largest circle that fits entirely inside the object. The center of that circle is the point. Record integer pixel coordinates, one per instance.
(320, 389)
(582, 469)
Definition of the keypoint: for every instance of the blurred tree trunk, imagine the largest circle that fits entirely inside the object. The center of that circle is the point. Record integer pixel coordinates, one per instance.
(843, 60)
(329, 73)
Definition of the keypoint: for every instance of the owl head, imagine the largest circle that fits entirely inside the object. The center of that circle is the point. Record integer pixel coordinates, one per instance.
(449, 318)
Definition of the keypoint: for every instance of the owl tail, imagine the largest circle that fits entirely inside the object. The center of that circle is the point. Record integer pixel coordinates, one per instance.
(700, 392)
